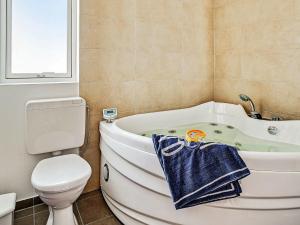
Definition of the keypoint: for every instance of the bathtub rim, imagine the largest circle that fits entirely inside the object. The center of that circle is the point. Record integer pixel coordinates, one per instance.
(133, 139)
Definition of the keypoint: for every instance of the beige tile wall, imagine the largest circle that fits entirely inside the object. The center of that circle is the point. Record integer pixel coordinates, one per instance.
(257, 52)
(142, 56)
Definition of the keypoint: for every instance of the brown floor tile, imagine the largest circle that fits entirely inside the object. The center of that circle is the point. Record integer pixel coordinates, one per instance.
(89, 209)
(23, 212)
(40, 208)
(93, 208)
(27, 220)
(89, 194)
(41, 217)
(24, 204)
(108, 221)
(37, 200)
(42, 214)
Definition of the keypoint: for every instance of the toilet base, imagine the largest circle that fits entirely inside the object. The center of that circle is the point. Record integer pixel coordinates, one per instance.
(63, 216)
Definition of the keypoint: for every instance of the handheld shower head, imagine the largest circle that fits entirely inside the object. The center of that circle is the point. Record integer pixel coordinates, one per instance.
(253, 113)
(246, 98)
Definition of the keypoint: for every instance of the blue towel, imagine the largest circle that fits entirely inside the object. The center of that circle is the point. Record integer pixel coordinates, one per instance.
(199, 172)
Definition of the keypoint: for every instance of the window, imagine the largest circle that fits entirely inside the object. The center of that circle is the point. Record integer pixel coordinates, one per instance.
(38, 39)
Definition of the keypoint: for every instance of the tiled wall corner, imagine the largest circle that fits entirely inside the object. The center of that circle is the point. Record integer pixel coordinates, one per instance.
(257, 52)
(142, 56)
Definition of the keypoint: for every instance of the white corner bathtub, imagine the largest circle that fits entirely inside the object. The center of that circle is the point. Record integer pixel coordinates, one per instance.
(134, 186)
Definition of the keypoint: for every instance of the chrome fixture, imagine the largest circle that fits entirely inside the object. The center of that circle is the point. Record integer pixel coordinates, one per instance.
(276, 118)
(253, 114)
(273, 130)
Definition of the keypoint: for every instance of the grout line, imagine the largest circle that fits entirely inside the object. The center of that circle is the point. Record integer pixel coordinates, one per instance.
(33, 210)
(21, 218)
(40, 212)
(135, 49)
(19, 210)
(97, 193)
(40, 204)
(213, 48)
(102, 219)
(75, 203)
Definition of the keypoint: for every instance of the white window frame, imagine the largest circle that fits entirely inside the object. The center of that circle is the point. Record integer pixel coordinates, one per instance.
(6, 76)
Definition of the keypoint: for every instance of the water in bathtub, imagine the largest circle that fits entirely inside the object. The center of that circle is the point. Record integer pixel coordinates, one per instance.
(226, 134)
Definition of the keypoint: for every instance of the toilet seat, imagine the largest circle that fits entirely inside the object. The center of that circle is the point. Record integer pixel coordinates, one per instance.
(60, 173)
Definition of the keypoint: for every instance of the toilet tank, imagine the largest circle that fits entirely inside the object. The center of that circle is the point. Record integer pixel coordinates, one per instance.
(54, 124)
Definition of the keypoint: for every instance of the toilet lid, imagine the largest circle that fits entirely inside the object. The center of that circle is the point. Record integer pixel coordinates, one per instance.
(60, 173)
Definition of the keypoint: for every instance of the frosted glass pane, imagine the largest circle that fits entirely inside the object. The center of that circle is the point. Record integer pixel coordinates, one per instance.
(39, 36)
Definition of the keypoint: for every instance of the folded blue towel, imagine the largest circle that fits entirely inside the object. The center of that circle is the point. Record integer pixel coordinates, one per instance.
(199, 172)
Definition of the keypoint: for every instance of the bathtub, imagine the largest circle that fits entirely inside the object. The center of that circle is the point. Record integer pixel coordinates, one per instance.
(135, 189)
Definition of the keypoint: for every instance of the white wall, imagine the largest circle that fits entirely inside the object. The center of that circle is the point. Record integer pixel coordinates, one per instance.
(15, 164)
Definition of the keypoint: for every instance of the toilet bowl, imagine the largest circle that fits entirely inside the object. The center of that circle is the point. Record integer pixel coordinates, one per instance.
(59, 181)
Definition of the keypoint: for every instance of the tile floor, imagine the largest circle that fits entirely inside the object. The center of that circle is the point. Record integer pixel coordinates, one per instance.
(89, 209)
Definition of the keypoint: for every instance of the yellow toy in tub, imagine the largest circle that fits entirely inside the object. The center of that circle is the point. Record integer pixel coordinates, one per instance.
(195, 135)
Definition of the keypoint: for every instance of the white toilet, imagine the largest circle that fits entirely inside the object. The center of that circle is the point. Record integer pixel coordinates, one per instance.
(55, 125)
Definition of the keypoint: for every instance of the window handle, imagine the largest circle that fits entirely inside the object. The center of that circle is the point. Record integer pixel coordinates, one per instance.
(46, 74)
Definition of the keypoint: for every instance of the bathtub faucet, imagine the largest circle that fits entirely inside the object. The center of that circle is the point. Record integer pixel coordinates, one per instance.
(253, 114)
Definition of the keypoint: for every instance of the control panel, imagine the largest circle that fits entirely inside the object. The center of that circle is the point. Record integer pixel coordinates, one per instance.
(110, 114)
